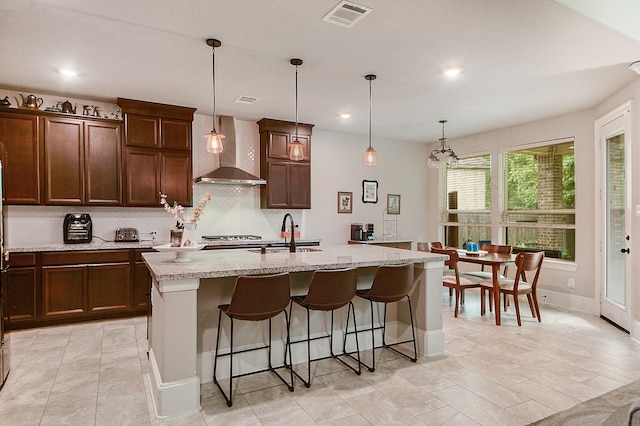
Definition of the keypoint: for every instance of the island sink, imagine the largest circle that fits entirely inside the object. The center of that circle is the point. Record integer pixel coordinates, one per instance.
(265, 250)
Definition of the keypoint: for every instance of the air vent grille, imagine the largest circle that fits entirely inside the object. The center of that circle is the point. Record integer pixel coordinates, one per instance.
(246, 99)
(347, 14)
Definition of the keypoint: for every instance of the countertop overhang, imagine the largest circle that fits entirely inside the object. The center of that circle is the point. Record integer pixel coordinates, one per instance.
(228, 263)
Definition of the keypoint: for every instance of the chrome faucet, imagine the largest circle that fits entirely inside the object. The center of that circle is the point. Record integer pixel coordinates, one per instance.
(292, 244)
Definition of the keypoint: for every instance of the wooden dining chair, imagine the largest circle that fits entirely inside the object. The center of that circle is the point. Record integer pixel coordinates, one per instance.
(488, 275)
(528, 264)
(457, 281)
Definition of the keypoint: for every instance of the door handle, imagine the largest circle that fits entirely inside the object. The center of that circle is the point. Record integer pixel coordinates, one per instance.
(625, 251)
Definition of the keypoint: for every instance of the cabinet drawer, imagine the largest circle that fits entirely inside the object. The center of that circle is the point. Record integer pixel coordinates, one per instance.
(22, 259)
(84, 257)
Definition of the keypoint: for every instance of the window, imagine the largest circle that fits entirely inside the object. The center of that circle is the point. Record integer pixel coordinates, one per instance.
(466, 215)
(539, 195)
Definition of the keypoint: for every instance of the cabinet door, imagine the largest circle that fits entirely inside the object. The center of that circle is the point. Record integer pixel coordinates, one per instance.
(20, 292)
(63, 161)
(278, 145)
(142, 184)
(299, 185)
(108, 287)
(141, 130)
(142, 286)
(277, 190)
(64, 291)
(102, 162)
(175, 134)
(20, 135)
(175, 177)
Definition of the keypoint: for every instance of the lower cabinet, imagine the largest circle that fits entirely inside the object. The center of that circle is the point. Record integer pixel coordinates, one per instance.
(63, 287)
(21, 289)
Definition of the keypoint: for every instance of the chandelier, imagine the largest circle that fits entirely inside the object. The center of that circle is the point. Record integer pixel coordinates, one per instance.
(437, 153)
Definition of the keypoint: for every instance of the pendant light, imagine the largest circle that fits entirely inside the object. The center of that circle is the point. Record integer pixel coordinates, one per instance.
(296, 149)
(214, 139)
(370, 154)
(452, 158)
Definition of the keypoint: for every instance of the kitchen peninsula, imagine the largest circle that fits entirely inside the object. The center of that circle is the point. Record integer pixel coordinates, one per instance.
(185, 297)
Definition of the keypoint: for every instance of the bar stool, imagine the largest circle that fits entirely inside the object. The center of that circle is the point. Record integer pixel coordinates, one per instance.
(329, 290)
(255, 298)
(390, 284)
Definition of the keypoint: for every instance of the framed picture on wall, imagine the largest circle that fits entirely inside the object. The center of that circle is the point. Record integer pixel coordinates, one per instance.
(345, 202)
(393, 204)
(369, 191)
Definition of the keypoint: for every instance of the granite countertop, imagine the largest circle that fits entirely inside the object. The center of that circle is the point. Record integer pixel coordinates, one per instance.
(97, 244)
(226, 263)
(94, 245)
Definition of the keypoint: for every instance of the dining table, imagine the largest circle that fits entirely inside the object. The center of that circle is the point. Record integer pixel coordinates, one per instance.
(495, 261)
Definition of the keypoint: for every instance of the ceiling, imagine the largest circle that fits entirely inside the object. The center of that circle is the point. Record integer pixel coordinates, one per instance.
(521, 60)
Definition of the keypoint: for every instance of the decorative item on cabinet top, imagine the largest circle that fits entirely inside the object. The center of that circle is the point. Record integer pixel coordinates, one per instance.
(5, 102)
(31, 102)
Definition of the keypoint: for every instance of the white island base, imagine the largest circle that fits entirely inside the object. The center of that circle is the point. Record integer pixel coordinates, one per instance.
(185, 299)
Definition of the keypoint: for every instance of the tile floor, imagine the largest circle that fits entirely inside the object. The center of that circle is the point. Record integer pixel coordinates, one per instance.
(95, 374)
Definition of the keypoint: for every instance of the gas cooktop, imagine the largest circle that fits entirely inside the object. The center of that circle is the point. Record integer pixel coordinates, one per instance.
(231, 237)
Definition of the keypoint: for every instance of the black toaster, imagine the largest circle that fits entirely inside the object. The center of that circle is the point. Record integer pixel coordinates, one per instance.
(77, 228)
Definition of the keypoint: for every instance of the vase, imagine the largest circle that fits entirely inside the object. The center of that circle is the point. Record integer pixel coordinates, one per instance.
(189, 235)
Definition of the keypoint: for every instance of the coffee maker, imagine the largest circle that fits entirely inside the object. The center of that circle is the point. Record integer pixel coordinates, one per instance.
(362, 231)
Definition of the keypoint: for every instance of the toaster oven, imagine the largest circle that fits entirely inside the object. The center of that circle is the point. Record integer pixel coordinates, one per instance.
(77, 228)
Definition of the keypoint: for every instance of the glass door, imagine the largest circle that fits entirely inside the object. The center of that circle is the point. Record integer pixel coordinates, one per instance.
(615, 291)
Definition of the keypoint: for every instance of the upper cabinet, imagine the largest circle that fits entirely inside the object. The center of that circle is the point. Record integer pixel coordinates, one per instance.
(82, 162)
(20, 134)
(157, 153)
(288, 182)
(59, 159)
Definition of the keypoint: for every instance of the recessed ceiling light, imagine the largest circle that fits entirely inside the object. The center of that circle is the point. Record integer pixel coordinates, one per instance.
(345, 116)
(452, 71)
(69, 73)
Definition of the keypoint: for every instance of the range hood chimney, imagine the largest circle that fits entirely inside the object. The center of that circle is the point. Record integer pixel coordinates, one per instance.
(228, 173)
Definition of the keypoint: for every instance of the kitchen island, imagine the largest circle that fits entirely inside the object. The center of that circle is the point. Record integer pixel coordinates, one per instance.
(185, 297)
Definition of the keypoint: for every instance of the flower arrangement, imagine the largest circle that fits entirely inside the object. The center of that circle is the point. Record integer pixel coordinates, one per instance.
(180, 213)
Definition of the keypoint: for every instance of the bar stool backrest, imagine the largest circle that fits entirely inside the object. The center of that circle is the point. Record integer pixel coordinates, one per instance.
(331, 289)
(391, 283)
(259, 297)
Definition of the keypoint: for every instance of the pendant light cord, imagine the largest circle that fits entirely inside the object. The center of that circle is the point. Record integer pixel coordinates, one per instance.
(213, 78)
(296, 103)
(369, 114)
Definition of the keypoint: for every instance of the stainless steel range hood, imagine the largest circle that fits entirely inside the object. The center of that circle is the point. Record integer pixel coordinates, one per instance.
(228, 173)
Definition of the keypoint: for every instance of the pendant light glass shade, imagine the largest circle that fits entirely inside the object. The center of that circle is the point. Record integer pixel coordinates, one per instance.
(452, 158)
(296, 149)
(370, 154)
(213, 138)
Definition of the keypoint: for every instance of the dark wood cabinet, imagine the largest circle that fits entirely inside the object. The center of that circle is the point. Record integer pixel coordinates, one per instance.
(157, 153)
(81, 162)
(20, 289)
(141, 282)
(48, 288)
(103, 170)
(64, 291)
(142, 177)
(288, 182)
(85, 283)
(20, 134)
(63, 161)
(109, 287)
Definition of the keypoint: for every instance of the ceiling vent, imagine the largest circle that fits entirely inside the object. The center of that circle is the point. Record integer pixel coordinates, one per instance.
(246, 100)
(347, 14)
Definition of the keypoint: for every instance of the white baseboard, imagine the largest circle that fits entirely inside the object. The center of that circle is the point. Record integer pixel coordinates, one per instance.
(566, 300)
